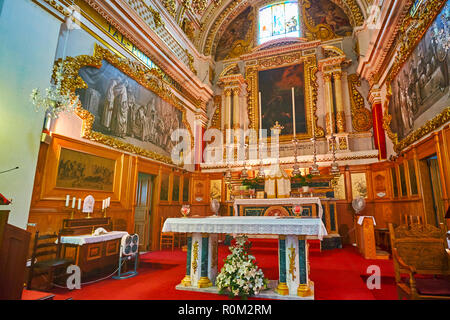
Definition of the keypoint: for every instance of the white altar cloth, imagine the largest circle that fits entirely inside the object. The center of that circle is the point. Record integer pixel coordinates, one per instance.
(248, 225)
(83, 239)
(278, 201)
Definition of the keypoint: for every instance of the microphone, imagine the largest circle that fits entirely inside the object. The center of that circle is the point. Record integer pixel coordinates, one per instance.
(9, 170)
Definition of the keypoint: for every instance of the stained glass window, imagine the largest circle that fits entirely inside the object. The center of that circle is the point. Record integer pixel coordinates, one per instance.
(278, 20)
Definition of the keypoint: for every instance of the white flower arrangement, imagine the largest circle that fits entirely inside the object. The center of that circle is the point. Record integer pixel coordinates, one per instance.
(54, 101)
(240, 276)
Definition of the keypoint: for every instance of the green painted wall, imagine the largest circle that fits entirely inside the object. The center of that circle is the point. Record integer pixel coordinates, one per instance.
(29, 36)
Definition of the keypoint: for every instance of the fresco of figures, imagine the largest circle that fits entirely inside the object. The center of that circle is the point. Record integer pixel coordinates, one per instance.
(421, 88)
(126, 110)
(326, 12)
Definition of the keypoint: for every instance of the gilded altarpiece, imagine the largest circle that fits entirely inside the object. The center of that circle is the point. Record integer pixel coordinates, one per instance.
(253, 69)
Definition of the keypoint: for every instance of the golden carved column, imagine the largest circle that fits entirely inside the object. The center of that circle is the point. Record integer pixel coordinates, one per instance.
(329, 103)
(236, 111)
(340, 114)
(227, 109)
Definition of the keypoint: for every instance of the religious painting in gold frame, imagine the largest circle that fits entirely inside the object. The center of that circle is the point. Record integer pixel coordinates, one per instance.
(415, 103)
(359, 185)
(150, 79)
(215, 190)
(253, 70)
(339, 188)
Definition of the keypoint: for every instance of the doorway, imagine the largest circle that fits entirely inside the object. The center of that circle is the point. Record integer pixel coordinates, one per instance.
(143, 208)
(432, 192)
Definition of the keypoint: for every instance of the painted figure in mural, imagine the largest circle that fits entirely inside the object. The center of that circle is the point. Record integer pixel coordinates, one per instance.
(109, 104)
(120, 114)
(291, 25)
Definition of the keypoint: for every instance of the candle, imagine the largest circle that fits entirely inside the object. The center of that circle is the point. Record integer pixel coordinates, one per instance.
(67, 200)
(293, 111)
(260, 116)
(109, 202)
(73, 202)
(79, 203)
(103, 204)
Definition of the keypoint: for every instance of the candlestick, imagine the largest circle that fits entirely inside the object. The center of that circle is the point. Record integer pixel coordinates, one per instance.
(67, 200)
(293, 111)
(73, 202)
(260, 116)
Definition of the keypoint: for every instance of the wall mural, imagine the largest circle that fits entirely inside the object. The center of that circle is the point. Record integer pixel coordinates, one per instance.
(126, 110)
(420, 90)
(78, 170)
(276, 86)
(325, 13)
(238, 37)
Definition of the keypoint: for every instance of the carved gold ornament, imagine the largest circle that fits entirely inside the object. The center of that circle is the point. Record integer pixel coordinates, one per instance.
(195, 252)
(151, 79)
(361, 117)
(292, 268)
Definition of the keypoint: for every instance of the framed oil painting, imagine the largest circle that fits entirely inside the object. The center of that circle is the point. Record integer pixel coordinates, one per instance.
(127, 111)
(276, 86)
(339, 188)
(359, 185)
(215, 191)
(79, 170)
(420, 87)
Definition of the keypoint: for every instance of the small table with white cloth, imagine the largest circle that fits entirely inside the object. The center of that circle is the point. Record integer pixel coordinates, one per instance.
(202, 235)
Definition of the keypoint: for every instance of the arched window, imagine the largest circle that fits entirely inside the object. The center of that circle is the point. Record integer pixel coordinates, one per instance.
(278, 20)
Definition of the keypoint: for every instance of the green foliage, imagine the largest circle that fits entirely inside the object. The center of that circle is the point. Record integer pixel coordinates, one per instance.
(303, 180)
(253, 183)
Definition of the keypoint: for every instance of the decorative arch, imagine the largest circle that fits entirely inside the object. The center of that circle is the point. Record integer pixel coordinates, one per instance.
(232, 9)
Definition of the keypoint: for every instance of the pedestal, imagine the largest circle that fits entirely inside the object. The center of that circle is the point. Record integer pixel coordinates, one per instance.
(365, 238)
(293, 266)
(201, 262)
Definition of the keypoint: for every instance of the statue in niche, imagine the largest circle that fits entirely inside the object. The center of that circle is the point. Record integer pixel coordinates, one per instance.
(188, 27)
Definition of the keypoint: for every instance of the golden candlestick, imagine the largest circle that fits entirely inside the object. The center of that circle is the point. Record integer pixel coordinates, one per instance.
(104, 213)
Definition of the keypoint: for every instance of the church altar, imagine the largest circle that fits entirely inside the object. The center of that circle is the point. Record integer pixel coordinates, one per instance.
(202, 247)
(277, 201)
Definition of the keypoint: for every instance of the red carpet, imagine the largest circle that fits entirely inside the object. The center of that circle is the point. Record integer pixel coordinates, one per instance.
(338, 274)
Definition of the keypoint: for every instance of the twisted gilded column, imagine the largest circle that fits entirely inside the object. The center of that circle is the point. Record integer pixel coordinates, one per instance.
(236, 112)
(227, 109)
(340, 114)
(329, 103)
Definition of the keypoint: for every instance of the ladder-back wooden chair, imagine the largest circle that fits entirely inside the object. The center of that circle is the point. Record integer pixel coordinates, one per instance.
(166, 238)
(46, 258)
(420, 252)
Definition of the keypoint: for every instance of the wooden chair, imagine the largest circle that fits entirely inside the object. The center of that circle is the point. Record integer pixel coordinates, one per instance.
(48, 246)
(166, 238)
(420, 251)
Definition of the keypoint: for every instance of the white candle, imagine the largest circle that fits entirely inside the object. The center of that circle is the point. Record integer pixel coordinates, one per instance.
(73, 202)
(79, 203)
(103, 204)
(67, 200)
(260, 115)
(109, 202)
(293, 111)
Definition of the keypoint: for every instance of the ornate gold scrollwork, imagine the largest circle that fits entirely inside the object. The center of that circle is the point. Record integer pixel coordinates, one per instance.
(361, 117)
(151, 79)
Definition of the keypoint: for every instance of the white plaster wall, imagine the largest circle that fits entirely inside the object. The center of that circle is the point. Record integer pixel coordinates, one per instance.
(29, 36)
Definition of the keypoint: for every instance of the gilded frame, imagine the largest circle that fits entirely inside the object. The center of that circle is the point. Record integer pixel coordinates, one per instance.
(412, 29)
(151, 79)
(310, 69)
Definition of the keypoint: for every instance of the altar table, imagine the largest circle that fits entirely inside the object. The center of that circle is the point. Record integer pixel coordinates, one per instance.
(201, 261)
(278, 201)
